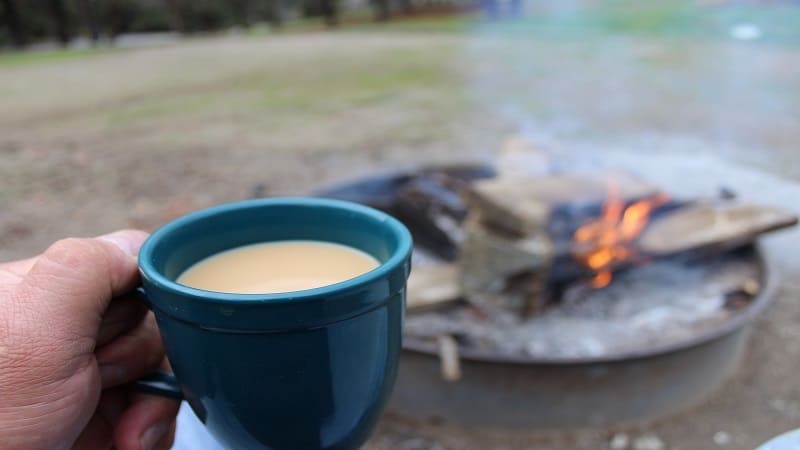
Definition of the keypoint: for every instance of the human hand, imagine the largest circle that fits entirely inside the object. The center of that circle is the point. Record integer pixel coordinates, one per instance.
(70, 339)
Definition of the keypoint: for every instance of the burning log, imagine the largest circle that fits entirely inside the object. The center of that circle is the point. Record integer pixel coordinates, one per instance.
(604, 243)
(512, 248)
(518, 234)
(704, 226)
(524, 205)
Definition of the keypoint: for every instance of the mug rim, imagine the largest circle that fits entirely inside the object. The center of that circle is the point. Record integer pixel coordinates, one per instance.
(397, 258)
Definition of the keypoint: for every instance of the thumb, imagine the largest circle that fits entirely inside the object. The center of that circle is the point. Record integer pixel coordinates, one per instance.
(69, 287)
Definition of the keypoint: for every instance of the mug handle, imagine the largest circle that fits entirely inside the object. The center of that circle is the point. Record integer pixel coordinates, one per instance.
(159, 383)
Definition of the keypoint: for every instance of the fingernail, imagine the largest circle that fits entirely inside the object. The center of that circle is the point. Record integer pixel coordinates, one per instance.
(152, 435)
(123, 240)
(111, 375)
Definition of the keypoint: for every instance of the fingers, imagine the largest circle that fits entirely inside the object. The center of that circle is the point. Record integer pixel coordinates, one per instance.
(76, 279)
(96, 436)
(113, 403)
(134, 421)
(148, 424)
(131, 355)
(99, 432)
(123, 314)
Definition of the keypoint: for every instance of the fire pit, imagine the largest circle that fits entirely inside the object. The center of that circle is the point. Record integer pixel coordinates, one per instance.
(560, 313)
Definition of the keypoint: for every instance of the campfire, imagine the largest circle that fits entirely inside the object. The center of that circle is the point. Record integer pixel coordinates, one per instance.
(561, 265)
(555, 293)
(605, 243)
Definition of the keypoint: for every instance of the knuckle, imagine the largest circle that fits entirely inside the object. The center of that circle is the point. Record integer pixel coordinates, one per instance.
(70, 259)
(75, 267)
(70, 252)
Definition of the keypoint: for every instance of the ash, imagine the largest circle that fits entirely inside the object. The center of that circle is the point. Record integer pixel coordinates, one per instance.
(659, 304)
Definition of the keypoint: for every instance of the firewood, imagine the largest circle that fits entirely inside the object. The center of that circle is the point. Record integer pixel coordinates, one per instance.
(502, 268)
(523, 205)
(432, 286)
(431, 205)
(487, 257)
(704, 226)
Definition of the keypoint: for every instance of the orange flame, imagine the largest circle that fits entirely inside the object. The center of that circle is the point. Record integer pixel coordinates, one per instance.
(604, 243)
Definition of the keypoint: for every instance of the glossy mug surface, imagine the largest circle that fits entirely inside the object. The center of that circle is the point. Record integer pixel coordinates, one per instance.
(304, 370)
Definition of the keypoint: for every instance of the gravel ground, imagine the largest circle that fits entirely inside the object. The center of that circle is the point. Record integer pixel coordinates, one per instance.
(137, 137)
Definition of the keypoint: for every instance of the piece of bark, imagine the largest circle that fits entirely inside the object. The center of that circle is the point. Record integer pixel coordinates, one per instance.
(523, 205)
(432, 286)
(702, 226)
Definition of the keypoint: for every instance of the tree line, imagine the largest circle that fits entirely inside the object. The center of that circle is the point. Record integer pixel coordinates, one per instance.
(26, 21)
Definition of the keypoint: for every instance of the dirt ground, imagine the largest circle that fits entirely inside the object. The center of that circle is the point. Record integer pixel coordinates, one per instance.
(133, 138)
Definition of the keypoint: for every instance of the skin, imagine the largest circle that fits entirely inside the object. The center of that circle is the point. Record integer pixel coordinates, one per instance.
(70, 339)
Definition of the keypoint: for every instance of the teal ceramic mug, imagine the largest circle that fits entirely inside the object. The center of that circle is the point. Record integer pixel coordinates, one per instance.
(301, 370)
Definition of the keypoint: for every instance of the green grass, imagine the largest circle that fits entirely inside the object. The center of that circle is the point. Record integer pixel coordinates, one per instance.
(23, 58)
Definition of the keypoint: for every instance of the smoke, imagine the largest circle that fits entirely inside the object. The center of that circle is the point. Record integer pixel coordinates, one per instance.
(726, 75)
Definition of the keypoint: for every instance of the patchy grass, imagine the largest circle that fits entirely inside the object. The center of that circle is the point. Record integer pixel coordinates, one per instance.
(22, 58)
(381, 80)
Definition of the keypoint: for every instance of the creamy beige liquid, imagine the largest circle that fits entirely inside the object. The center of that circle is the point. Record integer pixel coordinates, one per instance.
(273, 267)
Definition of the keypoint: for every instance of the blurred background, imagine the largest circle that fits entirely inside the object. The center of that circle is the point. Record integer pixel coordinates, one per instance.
(128, 113)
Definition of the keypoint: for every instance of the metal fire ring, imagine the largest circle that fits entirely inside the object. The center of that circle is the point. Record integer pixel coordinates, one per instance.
(544, 393)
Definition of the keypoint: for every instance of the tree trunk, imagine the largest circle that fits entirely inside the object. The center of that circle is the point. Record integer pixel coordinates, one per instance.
(59, 14)
(177, 15)
(330, 12)
(114, 19)
(241, 9)
(89, 13)
(407, 6)
(382, 10)
(275, 13)
(15, 26)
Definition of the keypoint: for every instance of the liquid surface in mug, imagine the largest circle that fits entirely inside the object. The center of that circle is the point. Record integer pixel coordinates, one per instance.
(274, 267)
